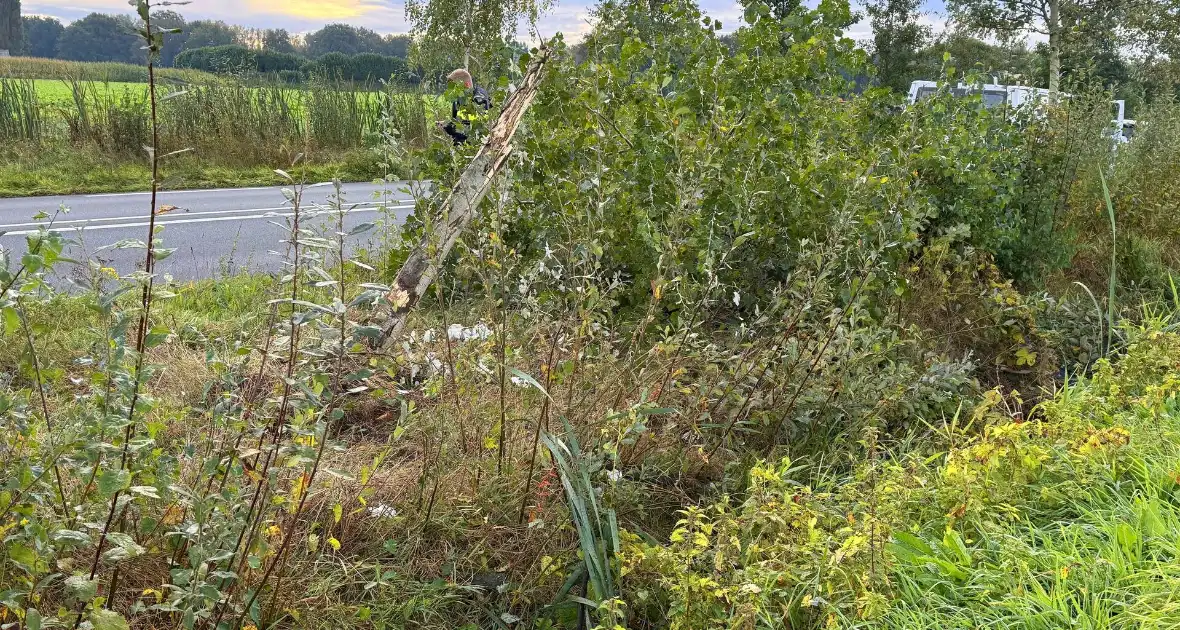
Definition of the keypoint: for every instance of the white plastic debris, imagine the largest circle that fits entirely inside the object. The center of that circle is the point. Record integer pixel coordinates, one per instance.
(382, 510)
(459, 332)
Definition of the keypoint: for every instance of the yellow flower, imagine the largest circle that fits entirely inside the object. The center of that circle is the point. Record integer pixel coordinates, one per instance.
(273, 530)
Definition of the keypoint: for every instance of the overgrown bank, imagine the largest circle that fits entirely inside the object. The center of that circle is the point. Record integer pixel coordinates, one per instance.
(730, 346)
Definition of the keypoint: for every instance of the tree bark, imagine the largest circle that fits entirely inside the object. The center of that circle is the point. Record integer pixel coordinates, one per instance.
(461, 205)
(1054, 28)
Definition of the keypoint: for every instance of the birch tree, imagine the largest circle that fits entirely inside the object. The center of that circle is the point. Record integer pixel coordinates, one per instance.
(1056, 20)
(467, 32)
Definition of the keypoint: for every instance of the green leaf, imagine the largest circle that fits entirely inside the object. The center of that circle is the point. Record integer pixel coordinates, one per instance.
(81, 589)
(531, 381)
(11, 320)
(156, 336)
(145, 491)
(32, 262)
(23, 557)
(112, 481)
(103, 619)
(32, 619)
(72, 537)
(912, 542)
(124, 548)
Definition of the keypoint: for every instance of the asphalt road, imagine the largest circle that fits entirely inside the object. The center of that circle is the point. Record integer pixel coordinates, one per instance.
(214, 232)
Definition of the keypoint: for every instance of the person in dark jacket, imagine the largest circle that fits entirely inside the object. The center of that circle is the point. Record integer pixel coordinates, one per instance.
(461, 115)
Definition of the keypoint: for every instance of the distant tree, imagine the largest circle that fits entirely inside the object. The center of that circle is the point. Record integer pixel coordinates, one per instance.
(343, 38)
(460, 32)
(100, 37)
(10, 26)
(229, 59)
(278, 40)
(41, 35)
(205, 33)
(173, 42)
(1065, 23)
(1011, 63)
(898, 39)
(398, 45)
(248, 37)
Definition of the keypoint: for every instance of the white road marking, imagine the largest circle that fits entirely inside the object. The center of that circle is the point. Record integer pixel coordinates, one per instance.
(174, 192)
(209, 190)
(268, 215)
(66, 223)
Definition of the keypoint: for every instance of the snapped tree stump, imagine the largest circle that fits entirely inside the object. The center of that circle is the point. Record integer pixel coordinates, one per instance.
(461, 205)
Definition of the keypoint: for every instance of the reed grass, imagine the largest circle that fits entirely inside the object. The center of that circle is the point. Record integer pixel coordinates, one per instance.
(222, 122)
(20, 114)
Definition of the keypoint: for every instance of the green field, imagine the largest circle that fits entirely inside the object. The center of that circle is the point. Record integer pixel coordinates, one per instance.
(59, 92)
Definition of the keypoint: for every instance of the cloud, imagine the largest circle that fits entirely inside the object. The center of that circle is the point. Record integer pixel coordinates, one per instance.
(570, 17)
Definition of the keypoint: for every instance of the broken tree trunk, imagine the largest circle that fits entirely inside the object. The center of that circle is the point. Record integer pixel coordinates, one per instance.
(459, 208)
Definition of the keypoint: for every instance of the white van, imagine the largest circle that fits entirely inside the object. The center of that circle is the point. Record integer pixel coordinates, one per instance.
(995, 95)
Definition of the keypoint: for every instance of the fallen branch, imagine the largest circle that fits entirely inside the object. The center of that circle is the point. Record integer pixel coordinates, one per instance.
(459, 208)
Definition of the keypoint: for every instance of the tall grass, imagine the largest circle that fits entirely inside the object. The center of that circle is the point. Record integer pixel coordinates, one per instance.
(20, 114)
(226, 123)
(236, 123)
(113, 122)
(411, 113)
(337, 115)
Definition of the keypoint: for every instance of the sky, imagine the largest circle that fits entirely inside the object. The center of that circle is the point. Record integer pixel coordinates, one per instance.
(384, 16)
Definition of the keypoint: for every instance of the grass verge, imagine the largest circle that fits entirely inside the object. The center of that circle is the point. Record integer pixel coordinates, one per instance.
(65, 171)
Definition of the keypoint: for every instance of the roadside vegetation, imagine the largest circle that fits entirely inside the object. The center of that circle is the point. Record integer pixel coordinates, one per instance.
(74, 135)
(729, 344)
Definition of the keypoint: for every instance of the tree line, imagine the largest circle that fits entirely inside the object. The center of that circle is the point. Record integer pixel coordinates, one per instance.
(103, 37)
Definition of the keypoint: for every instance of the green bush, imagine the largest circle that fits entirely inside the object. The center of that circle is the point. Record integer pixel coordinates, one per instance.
(231, 59)
(268, 61)
(1068, 518)
(371, 67)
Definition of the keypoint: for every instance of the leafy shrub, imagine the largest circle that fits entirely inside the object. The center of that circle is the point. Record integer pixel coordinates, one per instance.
(332, 66)
(785, 553)
(269, 61)
(1003, 523)
(371, 67)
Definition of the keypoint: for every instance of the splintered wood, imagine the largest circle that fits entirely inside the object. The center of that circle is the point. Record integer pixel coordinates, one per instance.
(459, 208)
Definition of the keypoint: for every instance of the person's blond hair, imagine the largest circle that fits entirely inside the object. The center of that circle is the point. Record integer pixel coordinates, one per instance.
(460, 75)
